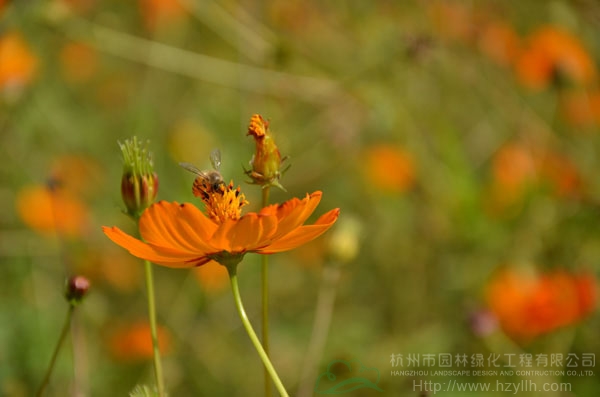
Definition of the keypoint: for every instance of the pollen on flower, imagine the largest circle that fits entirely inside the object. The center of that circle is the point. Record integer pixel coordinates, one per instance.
(258, 126)
(225, 203)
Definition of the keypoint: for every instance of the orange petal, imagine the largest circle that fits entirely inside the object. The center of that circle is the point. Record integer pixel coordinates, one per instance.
(159, 255)
(220, 239)
(252, 230)
(268, 230)
(290, 219)
(202, 225)
(167, 225)
(303, 234)
(156, 227)
(245, 232)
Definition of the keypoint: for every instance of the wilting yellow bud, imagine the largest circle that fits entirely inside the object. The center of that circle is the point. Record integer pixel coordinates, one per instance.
(139, 184)
(266, 161)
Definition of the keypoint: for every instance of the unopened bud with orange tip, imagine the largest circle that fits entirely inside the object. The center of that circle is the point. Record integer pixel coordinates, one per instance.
(139, 184)
(266, 161)
(76, 288)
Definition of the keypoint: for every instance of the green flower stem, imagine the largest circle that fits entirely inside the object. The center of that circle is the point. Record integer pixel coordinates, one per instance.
(242, 313)
(61, 339)
(160, 384)
(265, 299)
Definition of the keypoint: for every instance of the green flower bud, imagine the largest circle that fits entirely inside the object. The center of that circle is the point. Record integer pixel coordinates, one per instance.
(139, 184)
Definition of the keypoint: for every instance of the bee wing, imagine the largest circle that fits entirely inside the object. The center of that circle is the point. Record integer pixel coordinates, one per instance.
(193, 169)
(215, 158)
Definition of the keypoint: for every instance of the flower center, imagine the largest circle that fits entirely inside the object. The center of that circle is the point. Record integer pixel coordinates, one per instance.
(224, 203)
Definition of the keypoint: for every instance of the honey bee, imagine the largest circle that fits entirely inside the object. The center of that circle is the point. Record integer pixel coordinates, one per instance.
(208, 181)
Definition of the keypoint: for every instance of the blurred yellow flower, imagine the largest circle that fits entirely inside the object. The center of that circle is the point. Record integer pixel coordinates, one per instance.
(190, 141)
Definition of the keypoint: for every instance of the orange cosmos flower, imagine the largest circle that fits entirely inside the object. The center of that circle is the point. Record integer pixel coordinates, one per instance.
(452, 20)
(514, 167)
(389, 168)
(181, 236)
(552, 50)
(47, 210)
(529, 304)
(159, 13)
(18, 64)
(581, 108)
(499, 42)
(562, 175)
(212, 277)
(79, 61)
(133, 342)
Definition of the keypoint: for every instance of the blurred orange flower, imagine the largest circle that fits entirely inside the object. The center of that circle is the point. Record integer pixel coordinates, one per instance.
(293, 15)
(79, 61)
(18, 64)
(499, 42)
(514, 168)
(181, 236)
(212, 277)
(561, 174)
(120, 270)
(514, 172)
(389, 168)
(78, 6)
(517, 167)
(51, 210)
(581, 108)
(77, 173)
(551, 50)
(528, 304)
(133, 342)
(159, 13)
(453, 20)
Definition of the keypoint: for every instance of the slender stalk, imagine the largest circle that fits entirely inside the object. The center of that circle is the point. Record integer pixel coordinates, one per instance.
(153, 329)
(318, 339)
(265, 299)
(261, 352)
(61, 339)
